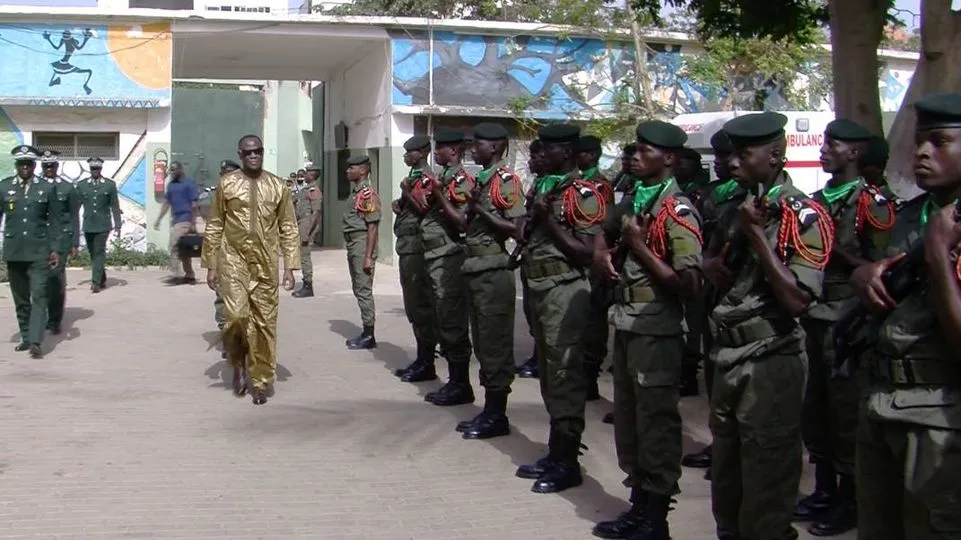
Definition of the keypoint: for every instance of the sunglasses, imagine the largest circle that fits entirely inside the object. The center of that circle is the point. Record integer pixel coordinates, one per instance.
(252, 152)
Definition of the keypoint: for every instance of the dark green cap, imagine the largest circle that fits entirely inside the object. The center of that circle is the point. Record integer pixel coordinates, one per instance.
(843, 129)
(301, 171)
(25, 152)
(312, 167)
(589, 143)
(535, 145)
(876, 153)
(449, 136)
(721, 143)
(95, 162)
(629, 149)
(229, 163)
(292, 175)
(489, 131)
(417, 142)
(559, 133)
(357, 160)
(755, 129)
(689, 153)
(661, 134)
(50, 156)
(939, 111)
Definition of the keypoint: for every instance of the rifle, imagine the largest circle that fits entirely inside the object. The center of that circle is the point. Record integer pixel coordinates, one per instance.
(530, 225)
(857, 332)
(738, 253)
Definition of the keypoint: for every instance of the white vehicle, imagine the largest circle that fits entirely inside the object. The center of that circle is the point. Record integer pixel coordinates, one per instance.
(805, 135)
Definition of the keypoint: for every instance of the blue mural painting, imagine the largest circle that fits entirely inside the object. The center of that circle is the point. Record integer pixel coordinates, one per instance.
(134, 186)
(105, 66)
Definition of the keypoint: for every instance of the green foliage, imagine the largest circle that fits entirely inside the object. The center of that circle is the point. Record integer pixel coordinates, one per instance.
(120, 254)
(588, 13)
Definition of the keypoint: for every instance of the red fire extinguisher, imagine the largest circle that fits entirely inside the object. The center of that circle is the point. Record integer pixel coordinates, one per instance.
(160, 171)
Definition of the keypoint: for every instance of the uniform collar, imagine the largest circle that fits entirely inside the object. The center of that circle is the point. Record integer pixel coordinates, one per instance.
(359, 185)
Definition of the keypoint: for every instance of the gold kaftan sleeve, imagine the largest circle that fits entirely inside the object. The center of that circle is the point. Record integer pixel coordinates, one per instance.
(214, 230)
(289, 231)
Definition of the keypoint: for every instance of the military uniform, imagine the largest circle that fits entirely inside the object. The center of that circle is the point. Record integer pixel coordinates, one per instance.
(760, 362)
(98, 197)
(695, 314)
(66, 205)
(909, 434)
(363, 208)
(307, 201)
(31, 237)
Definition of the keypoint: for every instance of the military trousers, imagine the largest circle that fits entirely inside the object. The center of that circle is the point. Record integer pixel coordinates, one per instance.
(830, 418)
(492, 307)
(97, 248)
(28, 287)
(757, 458)
(559, 315)
(451, 306)
(307, 264)
(418, 302)
(596, 332)
(361, 282)
(526, 302)
(647, 423)
(908, 481)
(695, 318)
(57, 292)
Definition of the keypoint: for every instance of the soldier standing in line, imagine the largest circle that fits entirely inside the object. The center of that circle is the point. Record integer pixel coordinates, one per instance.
(558, 251)
(694, 180)
(862, 218)
(65, 203)
(774, 270)
(361, 221)
(535, 164)
(99, 199)
(31, 245)
(658, 237)
(307, 201)
(873, 163)
(909, 431)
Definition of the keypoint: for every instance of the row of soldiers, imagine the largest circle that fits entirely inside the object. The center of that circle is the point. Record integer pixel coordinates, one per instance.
(42, 231)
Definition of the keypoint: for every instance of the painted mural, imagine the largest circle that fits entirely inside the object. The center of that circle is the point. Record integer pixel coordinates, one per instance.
(86, 65)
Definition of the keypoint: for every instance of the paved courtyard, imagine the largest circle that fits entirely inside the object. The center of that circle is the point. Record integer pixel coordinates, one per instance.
(126, 429)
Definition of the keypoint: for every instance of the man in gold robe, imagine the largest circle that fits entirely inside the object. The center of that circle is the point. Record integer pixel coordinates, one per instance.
(251, 220)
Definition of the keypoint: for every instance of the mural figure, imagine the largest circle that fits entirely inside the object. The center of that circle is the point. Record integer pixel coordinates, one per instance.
(63, 66)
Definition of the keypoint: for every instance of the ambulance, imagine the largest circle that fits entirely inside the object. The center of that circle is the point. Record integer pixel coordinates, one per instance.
(805, 135)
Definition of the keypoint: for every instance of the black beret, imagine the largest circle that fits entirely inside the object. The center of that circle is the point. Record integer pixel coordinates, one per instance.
(489, 131)
(449, 136)
(843, 129)
(629, 149)
(876, 153)
(417, 142)
(755, 129)
(559, 133)
(358, 160)
(661, 134)
(721, 143)
(939, 111)
(690, 153)
(535, 145)
(229, 163)
(589, 143)
(25, 152)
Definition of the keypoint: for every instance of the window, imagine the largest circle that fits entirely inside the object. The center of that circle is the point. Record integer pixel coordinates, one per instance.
(79, 145)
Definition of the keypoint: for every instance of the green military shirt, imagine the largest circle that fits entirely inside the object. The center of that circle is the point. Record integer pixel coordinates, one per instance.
(440, 237)
(307, 200)
(66, 203)
(854, 234)
(544, 264)
(363, 207)
(31, 225)
(750, 302)
(720, 202)
(641, 305)
(100, 202)
(407, 222)
(485, 246)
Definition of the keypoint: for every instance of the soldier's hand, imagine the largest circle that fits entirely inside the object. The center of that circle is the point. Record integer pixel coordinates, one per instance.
(53, 260)
(288, 279)
(867, 282)
(541, 208)
(716, 271)
(368, 265)
(941, 236)
(395, 206)
(637, 227)
(604, 263)
(212, 279)
(749, 213)
(304, 243)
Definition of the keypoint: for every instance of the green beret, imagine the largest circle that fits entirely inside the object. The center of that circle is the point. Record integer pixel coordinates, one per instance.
(489, 131)
(50, 156)
(721, 143)
(939, 111)
(876, 153)
(843, 129)
(95, 162)
(229, 163)
(449, 136)
(25, 153)
(559, 133)
(417, 142)
(755, 129)
(690, 153)
(629, 149)
(661, 134)
(359, 160)
(589, 143)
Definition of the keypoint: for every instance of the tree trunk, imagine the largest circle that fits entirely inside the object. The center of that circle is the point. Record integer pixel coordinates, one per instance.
(643, 94)
(856, 29)
(939, 70)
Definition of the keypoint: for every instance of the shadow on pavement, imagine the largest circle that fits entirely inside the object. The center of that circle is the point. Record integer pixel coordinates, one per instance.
(68, 331)
(391, 355)
(222, 372)
(111, 282)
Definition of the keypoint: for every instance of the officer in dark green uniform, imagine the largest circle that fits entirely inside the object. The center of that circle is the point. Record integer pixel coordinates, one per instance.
(98, 198)
(360, 238)
(658, 237)
(307, 199)
(556, 257)
(535, 165)
(66, 204)
(30, 246)
(771, 271)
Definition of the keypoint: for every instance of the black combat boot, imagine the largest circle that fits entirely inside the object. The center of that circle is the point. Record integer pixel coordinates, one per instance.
(654, 524)
(306, 290)
(492, 421)
(810, 508)
(564, 471)
(537, 469)
(627, 523)
(689, 378)
(700, 459)
(457, 391)
(22, 346)
(422, 368)
(592, 372)
(528, 370)
(364, 341)
(843, 514)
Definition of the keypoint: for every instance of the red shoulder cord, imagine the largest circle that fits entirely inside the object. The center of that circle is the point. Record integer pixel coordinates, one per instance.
(605, 189)
(421, 187)
(496, 190)
(573, 211)
(657, 233)
(789, 235)
(863, 213)
(452, 187)
(366, 201)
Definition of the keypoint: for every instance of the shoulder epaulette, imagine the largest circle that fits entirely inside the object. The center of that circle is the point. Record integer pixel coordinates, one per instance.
(803, 210)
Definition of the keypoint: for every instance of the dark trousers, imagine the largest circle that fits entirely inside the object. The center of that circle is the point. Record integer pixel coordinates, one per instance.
(97, 247)
(28, 286)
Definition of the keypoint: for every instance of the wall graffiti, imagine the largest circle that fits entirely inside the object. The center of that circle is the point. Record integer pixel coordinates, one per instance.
(10, 136)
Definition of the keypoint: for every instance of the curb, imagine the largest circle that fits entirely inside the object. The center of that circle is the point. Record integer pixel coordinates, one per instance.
(121, 268)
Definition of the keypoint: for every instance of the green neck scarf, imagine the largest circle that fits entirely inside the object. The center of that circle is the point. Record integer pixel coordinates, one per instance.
(836, 193)
(643, 195)
(587, 174)
(549, 182)
(414, 173)
(484, 175)
(773, 192)
(724, 191)
(929, 208)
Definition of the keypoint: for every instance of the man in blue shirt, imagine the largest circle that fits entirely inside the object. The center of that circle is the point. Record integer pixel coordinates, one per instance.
(181, 200)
